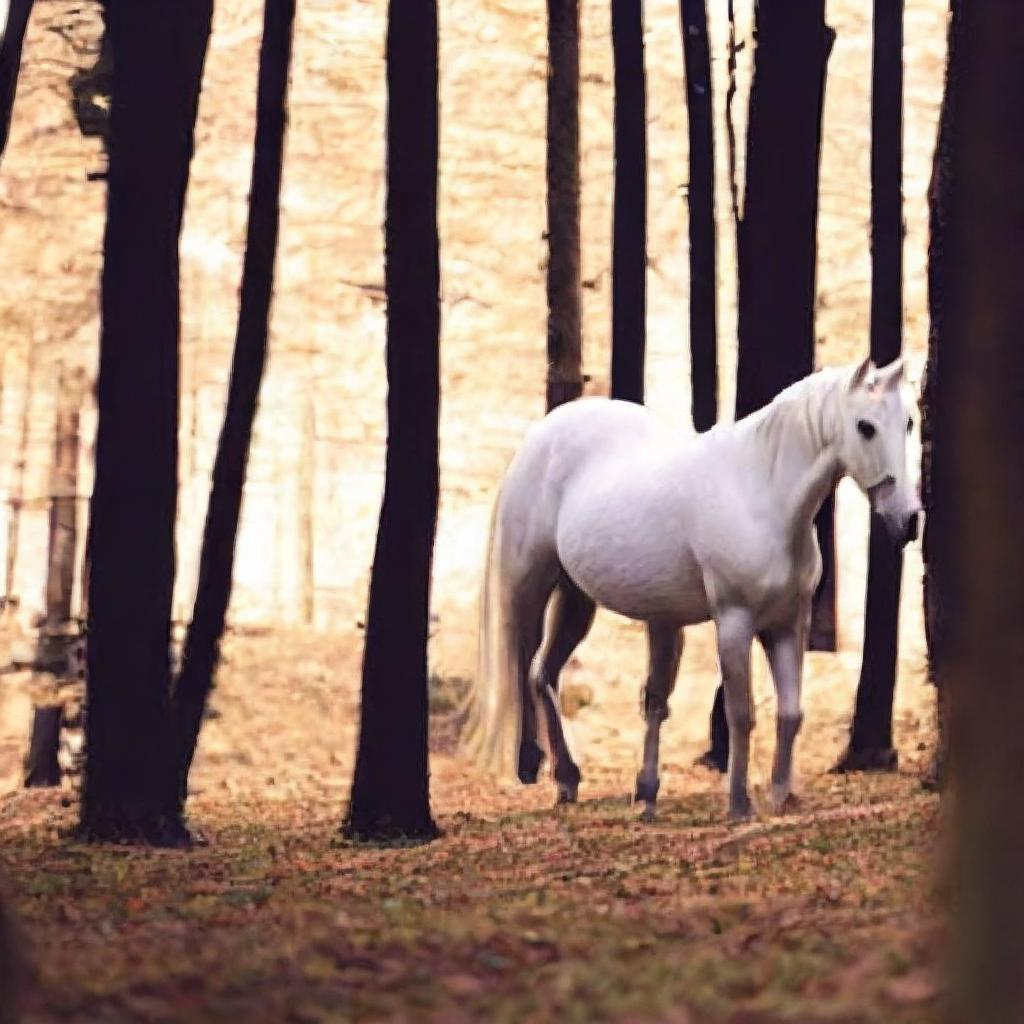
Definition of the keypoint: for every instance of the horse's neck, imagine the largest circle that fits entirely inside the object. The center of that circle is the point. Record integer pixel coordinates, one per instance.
(793, 439)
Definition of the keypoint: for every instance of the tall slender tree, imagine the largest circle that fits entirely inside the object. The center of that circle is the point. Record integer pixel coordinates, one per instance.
(629, 228)
(390, 795)
(12, 39)
(130, 786)
(565, 323)
(216, 561)
(979, 452)
(701, 203)
(777, 247)
(870, 745)
(943, 296)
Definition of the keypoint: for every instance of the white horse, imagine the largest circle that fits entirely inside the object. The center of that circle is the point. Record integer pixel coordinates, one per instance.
(603, 505)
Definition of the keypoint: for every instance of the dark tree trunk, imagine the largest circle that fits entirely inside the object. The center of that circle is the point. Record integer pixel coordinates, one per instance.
(979, 452)
(10, 968)
(777, 247)
(565, 330)
(870, 744)
(41, 765)
(217, 558)
(701, 204)
(629, 229)
(10, 63)
(131, 790)
(942, 282)
(390, 794)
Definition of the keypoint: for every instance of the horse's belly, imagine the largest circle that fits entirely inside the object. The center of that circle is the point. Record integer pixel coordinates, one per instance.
(638, 582)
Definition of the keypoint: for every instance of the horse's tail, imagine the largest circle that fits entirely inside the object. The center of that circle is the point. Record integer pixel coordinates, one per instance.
(493, 711)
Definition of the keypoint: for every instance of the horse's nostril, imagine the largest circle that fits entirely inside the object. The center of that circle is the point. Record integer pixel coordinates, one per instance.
(912, 526)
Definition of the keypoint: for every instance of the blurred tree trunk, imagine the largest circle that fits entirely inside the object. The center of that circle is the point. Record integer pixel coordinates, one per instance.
(629, 229)
(130, 789)
(565, 330)
(390, 793)
(777, 250)
(217, 558)
(979, 452)
(9, 969)
(11, 44)
(701, 204)
(870, 745)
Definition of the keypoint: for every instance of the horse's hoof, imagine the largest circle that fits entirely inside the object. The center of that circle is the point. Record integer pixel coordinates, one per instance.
(531, 757)
(789, 803)
(566, 794)
(646, 814)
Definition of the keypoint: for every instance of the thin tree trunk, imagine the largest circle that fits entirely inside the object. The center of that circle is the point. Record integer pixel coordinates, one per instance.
(701, 203)
(777, 249)
(390, 793)
(870, 744)
(979, 442)
(63, 539)
(11, 43)
(131, 790)
(223, 511)
(730, 124)
(565, 330)
(629, 229)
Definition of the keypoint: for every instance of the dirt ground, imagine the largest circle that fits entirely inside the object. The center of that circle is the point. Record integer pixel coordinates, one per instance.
(520, 911)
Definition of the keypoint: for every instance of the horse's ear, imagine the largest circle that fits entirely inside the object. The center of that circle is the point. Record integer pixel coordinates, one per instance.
(861, 374)
(891, 376)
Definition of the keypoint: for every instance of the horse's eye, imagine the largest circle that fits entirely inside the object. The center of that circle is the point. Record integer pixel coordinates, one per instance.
(866, 430)
(910, 426)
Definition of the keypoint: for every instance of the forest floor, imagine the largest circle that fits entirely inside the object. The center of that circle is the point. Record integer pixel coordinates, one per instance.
(519, 911)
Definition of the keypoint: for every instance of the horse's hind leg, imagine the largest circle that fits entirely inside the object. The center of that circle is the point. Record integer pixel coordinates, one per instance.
(665, 644)
(569, 620)
(530, 629)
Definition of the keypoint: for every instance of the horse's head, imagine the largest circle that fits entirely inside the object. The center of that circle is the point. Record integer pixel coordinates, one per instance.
(876, 420)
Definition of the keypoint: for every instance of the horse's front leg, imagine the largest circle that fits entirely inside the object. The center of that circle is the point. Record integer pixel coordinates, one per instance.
(735, 635)
(665, 643)
(785, 650)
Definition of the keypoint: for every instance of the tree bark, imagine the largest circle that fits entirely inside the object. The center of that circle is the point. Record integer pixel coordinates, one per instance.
(217, 557)
(11, 43)
(131, 790)
(701, 204)
(565, 330)
(870, 745)
(390, 793)
(629, 228)
(942, 285)
(10, 968)
(42, 767)
(777, 252)
(979, 454)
